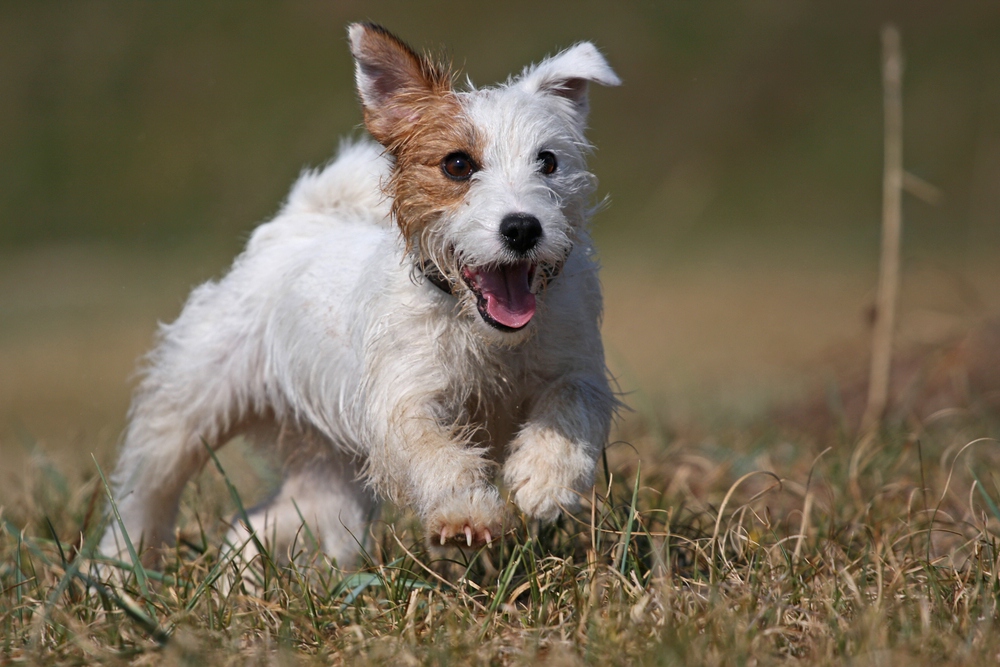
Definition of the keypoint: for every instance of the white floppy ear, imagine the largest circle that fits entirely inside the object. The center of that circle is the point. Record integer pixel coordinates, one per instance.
(567, 74)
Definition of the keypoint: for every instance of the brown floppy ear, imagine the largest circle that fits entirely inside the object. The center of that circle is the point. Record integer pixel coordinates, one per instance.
(395, 83)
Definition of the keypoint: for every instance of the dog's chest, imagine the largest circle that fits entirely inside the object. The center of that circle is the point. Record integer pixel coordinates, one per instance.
(486, 391)
(495, 420)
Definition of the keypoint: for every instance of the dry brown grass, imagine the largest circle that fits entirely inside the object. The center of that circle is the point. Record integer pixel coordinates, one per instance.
(748, 546)
(895, 562)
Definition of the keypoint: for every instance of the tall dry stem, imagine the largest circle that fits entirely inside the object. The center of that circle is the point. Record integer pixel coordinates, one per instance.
(892, 226)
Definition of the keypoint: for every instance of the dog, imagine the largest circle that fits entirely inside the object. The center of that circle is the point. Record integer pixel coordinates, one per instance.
(423, 313)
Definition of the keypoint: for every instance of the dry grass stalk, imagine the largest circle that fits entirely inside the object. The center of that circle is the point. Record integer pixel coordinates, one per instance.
(892, 226)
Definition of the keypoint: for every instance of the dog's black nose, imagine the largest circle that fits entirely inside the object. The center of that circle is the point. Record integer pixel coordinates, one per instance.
(520, 232)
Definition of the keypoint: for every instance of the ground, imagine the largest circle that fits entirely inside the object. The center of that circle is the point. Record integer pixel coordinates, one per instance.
(739, 523)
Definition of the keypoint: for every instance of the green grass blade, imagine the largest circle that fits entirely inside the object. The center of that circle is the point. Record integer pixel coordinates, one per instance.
(145, 619)
(212, 576)
(506, 576)
(19, 579)
(151, 575)
(265, 556)
(147, 622)
(140, 571)
(313, 542)
(994, 510)
(628, 524)
(357, 583)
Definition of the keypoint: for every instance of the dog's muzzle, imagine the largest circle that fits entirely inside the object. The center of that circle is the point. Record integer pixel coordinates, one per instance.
(503, 291)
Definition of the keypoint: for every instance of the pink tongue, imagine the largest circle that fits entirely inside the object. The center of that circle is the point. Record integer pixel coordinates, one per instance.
(508, 295)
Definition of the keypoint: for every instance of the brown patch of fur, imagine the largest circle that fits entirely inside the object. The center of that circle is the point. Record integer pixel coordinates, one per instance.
(420, 122)
(420, 190)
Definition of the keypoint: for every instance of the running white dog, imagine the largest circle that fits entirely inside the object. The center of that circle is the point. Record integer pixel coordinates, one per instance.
(417, 310)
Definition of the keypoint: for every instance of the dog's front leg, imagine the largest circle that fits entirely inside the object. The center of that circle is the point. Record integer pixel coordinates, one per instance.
(420, 460)
(551, 461)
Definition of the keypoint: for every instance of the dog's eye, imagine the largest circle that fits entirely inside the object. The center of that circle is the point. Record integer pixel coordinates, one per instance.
(458, 166)
(547, 160)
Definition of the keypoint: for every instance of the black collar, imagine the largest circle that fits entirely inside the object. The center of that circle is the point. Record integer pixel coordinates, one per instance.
(435, 277)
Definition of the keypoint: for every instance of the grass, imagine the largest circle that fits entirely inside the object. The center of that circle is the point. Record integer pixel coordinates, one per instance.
(755, 545)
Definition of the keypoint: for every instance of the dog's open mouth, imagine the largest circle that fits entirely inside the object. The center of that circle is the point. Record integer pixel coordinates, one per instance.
(503, 293)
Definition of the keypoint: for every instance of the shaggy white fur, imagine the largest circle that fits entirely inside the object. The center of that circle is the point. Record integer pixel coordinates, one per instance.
(327, 341)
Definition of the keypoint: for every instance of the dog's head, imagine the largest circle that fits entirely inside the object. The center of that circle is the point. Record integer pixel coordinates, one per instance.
(489, 187)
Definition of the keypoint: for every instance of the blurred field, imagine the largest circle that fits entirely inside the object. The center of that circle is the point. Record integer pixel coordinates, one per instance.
(140, 143)
(742, 157)
(722, 339)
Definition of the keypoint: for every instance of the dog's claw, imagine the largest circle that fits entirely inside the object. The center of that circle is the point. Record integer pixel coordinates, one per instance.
(450, 535)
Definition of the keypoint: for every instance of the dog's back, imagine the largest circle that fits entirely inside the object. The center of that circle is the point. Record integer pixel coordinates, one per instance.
(349, 186)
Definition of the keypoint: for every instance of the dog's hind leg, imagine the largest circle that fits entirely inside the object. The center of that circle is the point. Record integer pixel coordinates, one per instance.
(322, 505)
(161, 453)
(197, 389)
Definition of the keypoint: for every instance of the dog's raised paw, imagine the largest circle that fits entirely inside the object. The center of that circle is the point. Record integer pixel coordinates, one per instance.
(545, 502)
(542, 484)
(472, 518)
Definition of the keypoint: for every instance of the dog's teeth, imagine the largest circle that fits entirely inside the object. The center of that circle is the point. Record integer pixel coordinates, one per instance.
(468, 536)
(486, 534)
(444, 535)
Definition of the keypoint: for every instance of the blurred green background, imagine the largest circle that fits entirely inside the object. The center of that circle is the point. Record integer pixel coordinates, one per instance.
(140, 142)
